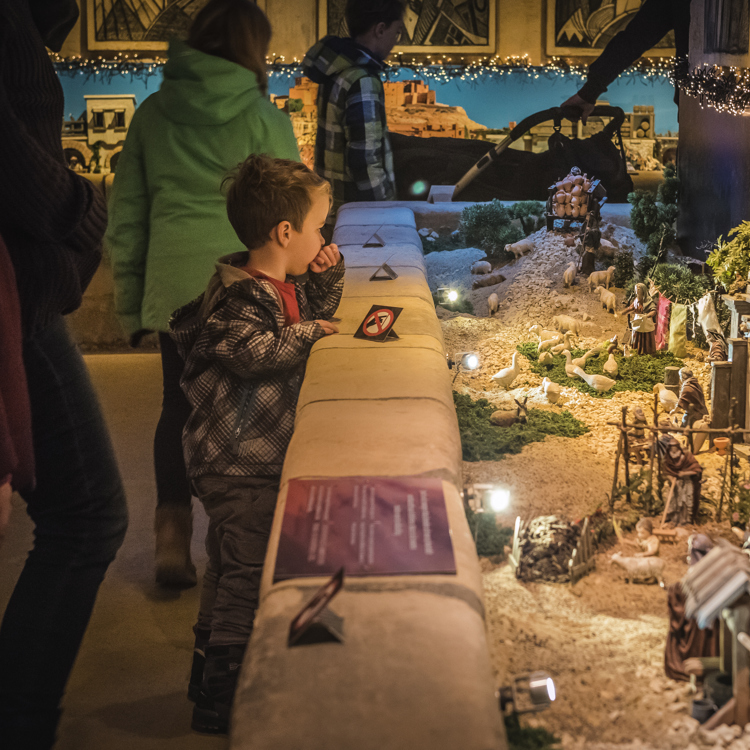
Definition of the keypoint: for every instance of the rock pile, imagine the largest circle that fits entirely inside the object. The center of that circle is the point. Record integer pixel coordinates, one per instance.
(547, 542)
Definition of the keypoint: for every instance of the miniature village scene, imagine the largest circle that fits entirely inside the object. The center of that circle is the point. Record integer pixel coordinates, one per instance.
(592, 383)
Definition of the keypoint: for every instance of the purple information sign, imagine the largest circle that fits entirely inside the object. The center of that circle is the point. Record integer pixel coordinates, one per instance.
(367, 525)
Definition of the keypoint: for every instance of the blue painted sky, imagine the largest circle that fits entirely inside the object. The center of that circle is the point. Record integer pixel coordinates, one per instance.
(493, 103)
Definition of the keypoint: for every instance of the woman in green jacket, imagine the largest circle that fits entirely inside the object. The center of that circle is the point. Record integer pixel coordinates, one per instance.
(168, 222)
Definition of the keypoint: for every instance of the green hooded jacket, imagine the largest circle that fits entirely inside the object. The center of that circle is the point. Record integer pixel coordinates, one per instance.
(167, 216)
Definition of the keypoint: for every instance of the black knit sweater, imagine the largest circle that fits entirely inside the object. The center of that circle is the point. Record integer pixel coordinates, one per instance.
(654, 20)
(52, 219)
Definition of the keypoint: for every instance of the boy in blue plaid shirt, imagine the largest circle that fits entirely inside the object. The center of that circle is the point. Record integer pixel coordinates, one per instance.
(352, 149)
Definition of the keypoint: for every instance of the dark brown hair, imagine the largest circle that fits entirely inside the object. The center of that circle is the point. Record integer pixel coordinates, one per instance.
(262, 192)
(362, 15)
(236, 30)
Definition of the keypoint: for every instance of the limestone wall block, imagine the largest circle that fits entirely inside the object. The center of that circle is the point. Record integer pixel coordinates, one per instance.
(390, 234)
(397, 256)
(408, 437)
(353, 214)
(375, 373)
(417, 317)
(415, 659)
(349, 343)
(410, 283)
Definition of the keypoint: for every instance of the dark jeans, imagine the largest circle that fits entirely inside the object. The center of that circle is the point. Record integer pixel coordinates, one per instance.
(78, 508)
(240, 514)
(172, 486)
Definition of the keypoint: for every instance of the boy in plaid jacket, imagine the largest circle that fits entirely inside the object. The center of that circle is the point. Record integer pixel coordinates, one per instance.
(245, 342)
(352, 149)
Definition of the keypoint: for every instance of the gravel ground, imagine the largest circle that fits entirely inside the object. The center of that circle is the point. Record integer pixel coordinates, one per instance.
(602, 640)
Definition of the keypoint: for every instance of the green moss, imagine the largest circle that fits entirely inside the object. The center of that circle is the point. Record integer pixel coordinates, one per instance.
(624, 268)
(528, 738)
(483, 441)
(641, 372)
(488, 536)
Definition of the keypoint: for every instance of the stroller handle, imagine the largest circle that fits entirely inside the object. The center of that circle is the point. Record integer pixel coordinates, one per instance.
(566, 113)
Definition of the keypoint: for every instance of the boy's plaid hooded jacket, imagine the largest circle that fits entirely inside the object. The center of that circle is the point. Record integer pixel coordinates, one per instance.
(352, 149)
(244, 368)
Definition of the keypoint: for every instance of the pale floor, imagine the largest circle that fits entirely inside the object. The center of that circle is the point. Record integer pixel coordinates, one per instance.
(128, 688)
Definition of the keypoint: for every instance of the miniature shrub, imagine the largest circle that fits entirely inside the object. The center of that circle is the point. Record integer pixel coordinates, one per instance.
(488, 226)
(489, 538)
(483, 441)
(652, 217)
(530, 213)
(732, 257)
(440, 244)
(641, 372)
(624, 268)
(679, 283)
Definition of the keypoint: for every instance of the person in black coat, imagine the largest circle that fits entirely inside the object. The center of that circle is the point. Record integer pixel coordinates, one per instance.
(654, 20)
(52, 221)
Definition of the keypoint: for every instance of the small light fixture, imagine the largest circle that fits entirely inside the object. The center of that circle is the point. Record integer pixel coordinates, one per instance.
(528, 693)
(462, 361)
(490, 498)
(446, 295)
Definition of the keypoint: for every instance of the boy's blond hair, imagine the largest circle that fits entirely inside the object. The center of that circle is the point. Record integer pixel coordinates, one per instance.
(262, 192)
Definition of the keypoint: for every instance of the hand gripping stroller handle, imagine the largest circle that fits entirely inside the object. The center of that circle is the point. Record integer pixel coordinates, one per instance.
(557, 114)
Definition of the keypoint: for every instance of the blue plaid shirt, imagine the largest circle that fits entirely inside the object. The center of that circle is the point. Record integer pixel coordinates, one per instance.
(352, 149)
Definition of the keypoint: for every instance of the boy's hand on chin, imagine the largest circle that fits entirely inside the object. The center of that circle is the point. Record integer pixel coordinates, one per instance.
(327, 257)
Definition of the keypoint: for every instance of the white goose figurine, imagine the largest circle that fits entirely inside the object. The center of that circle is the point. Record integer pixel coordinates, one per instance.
(571, 364)
(547, 343)
(666, 398)
(566, 344)
(610, 366)
(600, 383)
(507, 375)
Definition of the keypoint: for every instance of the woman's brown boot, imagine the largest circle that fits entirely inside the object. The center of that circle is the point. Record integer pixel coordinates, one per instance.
(174, 530)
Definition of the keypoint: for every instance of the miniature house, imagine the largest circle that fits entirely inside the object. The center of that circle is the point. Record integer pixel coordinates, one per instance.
(98, 134)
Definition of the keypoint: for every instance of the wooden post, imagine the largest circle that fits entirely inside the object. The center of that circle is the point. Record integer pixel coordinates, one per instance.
(617, 471)
(626, 452)
(672, 379)
(739, 622)
(738, 380)
(721, 374)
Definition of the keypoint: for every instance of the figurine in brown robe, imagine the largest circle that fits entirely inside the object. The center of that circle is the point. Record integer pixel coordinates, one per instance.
(681, 466)
(691, 400)
(685, 640)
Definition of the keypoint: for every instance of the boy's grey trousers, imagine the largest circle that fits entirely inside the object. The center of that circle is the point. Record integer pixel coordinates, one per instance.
(240, 513)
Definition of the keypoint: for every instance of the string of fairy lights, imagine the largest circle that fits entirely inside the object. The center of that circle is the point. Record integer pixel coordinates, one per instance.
(726, 89)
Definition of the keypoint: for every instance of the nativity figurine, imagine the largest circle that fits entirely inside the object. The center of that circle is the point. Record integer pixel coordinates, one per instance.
(647, 541)
(643, 338)
(685, 472)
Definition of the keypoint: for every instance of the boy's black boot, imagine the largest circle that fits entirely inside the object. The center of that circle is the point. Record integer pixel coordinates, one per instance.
(213, 707)
(199, 663)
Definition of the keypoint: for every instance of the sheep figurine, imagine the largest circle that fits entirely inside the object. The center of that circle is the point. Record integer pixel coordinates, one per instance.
(641, 569)
(608, 299)
(569, 275)
(520, 248)
(599, 278)
(565, 323)
(493, 303)
(481, 267)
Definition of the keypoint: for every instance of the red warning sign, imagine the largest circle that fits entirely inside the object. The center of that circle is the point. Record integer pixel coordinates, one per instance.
(378, 323)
